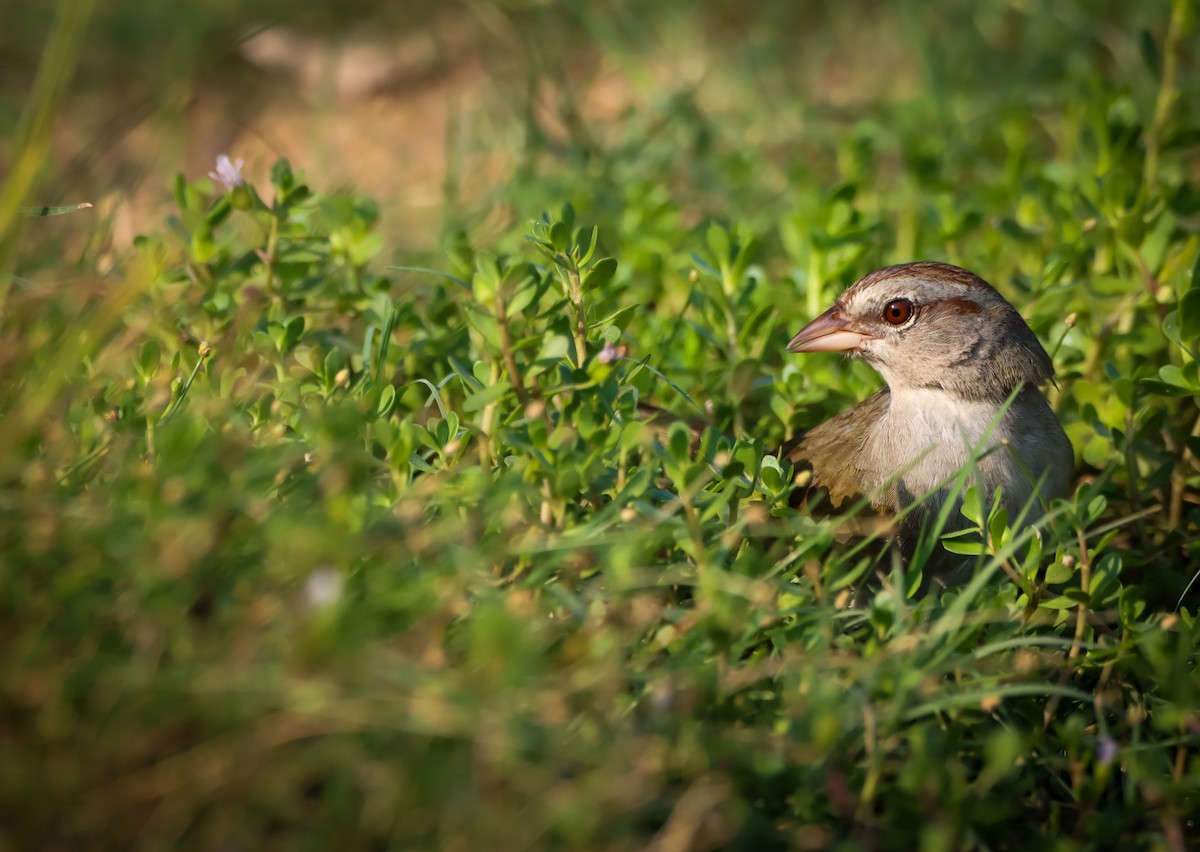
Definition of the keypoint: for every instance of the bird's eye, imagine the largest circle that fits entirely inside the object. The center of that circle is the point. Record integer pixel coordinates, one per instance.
(897, 311)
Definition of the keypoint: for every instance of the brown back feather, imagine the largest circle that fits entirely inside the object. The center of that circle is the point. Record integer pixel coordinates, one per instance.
(829, 451)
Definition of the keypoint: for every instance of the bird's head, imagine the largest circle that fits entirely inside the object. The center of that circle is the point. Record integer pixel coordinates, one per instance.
(932, 325)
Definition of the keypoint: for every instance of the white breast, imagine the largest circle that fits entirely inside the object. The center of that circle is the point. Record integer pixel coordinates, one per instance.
(931, 434)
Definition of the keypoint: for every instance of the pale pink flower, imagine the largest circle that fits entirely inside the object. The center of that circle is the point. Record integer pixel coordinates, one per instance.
(228, 173)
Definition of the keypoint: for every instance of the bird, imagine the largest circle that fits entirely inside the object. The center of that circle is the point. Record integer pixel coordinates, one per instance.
(952, 352)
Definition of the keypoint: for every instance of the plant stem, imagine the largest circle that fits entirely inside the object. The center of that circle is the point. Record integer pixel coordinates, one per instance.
(1085, 582)
(506, 352)
(1179, 475)
(1168, 93)
(183, 391)
(694, 530)
(575, 293)
(815, 286)
(487, 447)
(269, 255)
(1081, 619)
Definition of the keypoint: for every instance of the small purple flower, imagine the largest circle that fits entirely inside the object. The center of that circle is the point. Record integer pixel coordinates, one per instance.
(228, 173)
(1106, 750)
(608, 354)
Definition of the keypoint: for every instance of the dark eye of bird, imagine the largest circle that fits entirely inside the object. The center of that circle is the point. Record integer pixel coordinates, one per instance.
(897, 311)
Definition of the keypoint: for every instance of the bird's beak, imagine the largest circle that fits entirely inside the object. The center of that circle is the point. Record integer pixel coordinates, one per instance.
(830, 332)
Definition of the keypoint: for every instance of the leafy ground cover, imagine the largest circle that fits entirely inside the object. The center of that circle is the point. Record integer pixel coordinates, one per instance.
(304, 544)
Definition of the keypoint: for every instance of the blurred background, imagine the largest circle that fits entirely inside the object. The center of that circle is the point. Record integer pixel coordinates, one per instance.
(174, 674)
(469, 115)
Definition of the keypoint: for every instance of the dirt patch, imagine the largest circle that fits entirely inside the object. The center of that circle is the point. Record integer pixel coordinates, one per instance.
(400, 115)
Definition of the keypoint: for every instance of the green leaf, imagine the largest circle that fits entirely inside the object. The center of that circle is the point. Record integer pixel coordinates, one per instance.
(679, 441)
(718, 245)
(149, 358)
(1189, 315)
(1174, 375)
(972, 508)
(601, 272)
(179, 189)
(281, 175)
(560, 237)
(387, 399)
(963, 542)
(436, 272)
(470, 382)
(56, 211)
(1150, 54)
(1170, 328)
(591, 248)
(612, 318)
(567, 481)
(484, 323)
(634, 434)
(742, 262)
(771, 475)
(554, 348)
(219, 213)
(488, 395)
(998, 523)
(297, 195)
(1130, 606)
(293, 332)
(1163, 389)
(524, 298)
(1111, 285)
(286, 335)
(366, 247)
(335, 360)
(1059, 573)
(486, 283)
(420, 464)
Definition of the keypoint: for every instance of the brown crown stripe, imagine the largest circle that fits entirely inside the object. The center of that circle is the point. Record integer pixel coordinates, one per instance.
(923, 269)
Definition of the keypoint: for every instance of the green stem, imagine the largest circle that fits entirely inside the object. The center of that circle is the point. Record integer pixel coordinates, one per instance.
(506, 352)
(575, 292)
(731, 331)
(183, 392)
(269, 259)
(816, 286)
(1168, 92)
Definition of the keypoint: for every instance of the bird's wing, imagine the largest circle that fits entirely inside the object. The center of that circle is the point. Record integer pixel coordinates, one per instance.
(833, 452)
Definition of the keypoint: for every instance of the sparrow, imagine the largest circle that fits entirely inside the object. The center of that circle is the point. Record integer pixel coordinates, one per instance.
(952, 353)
